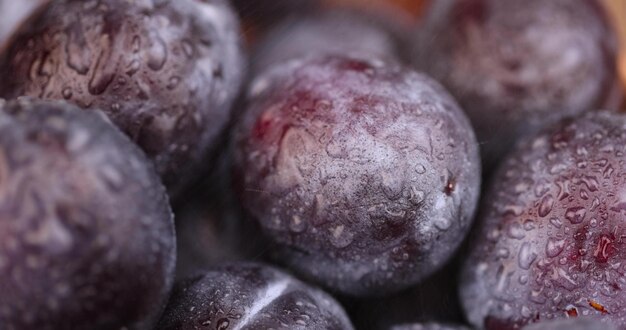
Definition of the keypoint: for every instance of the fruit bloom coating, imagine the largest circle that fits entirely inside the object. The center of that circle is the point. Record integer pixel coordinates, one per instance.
(582, 323)
(86, 232)
(515, 66)
(550, 242)
(165, 72)
(330, 32)
(365, 173)
(251, 296)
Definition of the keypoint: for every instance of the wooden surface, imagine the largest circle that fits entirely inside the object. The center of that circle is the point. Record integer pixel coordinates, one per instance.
(617, 10)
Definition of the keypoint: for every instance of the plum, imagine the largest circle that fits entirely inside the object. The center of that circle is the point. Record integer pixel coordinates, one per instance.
(582, 323)
(86, 231)
(332, 31)
(364, 173)
(250, 296)
(429, 326)
(516, 66)
(550, 238)
(165, 72)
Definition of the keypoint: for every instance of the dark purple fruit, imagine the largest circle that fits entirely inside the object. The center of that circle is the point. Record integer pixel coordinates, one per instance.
(331, 32)
(250, 296)
(550, 242)
(86, 232)
(365, 174)
(429, 326)
(516, 66)
(165, 72)
(582, 323)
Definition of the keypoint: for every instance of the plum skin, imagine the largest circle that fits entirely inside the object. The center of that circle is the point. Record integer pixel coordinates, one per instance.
(250, 296)
(365, 174)
(517, 66)
(550, 237)
(165, 73)
(332, 32)
(87, 234)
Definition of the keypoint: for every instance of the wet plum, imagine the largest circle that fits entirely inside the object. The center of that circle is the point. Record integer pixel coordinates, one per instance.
(335, 32)
(250, 296)
(515, 66)
(550, 242)
(571, 324)
(165, 72)
(86, 232)
(364, 173)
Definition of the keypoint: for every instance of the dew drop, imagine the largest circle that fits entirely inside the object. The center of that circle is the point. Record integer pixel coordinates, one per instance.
(173, 82)
(136, 44)
(133, 67)
(420, 169)
(187, 48)
(297, 225)
(516, 231)
(545, 207)
(340, 237)
(554, 247)
(443, 223)
(67, 93)
(157, 54)
(104, 71)
(526, 257)
(575, 215)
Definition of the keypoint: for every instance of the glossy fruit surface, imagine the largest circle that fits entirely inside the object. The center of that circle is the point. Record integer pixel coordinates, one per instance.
(86, 232)
(365, 173)
(516, 66)
(165, 72)
(250, 296)
(550, 242)
(582, 323)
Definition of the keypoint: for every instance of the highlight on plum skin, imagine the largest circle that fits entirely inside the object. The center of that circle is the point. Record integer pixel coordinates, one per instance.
(365, 174)
(250, 296)
(517, 66)
(550, 239)
(86, 232)
(164, 72)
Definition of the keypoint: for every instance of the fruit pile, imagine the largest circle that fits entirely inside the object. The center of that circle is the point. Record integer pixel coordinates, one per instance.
(311, 164)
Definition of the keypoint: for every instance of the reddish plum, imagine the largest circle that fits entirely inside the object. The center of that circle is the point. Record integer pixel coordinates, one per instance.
(517, 65)
(364, 173)
(582, 323)
(551, 237)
